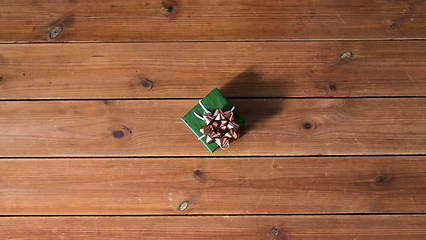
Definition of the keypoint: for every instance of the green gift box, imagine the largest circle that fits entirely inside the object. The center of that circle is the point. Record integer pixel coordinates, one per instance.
(214, 100)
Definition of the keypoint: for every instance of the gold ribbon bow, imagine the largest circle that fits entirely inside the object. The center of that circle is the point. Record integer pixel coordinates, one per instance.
(220, 127)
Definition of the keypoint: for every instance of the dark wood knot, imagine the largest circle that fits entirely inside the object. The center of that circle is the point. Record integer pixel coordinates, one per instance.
(379, 179)
(118, 134)
(120, 131)
(307, 126)
(170, 7)
(146, 84)
(198, 173)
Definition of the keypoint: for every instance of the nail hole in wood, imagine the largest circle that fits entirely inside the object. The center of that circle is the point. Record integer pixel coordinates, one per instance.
(106, 101)
(183, 206)
(333, 87)
(410, 7)
(393, 26)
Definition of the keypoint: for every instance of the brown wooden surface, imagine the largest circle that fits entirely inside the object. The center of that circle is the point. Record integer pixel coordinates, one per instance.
(233, 227)
(213, 186)
(219, 20)
(191, 70)
(105, 83)
(154, 128)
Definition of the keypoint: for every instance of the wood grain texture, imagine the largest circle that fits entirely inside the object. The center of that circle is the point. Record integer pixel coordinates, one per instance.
(311, 77)
(275, 127)
(213, 186)
(218, 20)
(191, 70)
(287, 227)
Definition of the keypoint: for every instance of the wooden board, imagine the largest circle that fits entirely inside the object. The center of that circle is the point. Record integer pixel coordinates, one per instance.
(213, 186)
(211, 20)
(191, 70)
(275, 127)
(411, 227)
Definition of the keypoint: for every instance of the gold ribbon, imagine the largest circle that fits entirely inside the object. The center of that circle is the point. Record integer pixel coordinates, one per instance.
(220, 127)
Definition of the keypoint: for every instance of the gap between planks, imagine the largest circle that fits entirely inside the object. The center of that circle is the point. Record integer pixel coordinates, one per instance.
(226, 41)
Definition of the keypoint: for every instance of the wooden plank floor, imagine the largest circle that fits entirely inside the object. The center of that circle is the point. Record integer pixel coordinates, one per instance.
(92, 145)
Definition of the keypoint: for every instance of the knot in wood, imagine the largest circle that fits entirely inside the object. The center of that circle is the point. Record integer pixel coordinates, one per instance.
(170, 7)
(54, 33)
(307, 126)
(346, 55)
(147, 84)
(198, 173)
(275, 232)
(379, 179)
(183, 206)
(120, 131)
(118, 134)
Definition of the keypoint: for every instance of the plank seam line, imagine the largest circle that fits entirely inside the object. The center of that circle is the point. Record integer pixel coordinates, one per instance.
(220, 215)
(218, 157)
(235, 98)
(222, 41)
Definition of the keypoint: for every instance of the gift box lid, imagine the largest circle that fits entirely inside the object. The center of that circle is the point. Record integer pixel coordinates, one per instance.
(214, 100)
